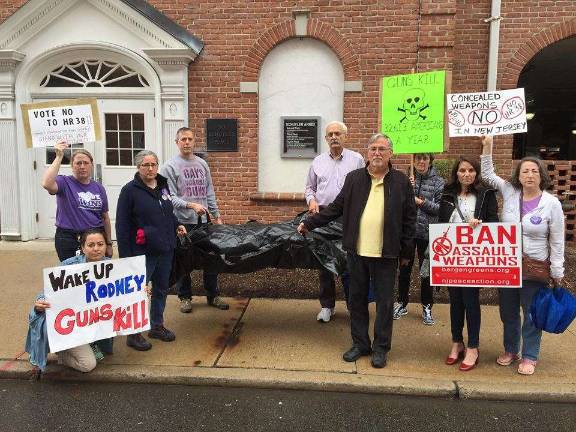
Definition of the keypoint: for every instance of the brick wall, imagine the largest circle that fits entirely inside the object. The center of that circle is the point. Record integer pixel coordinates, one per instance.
(372, 39)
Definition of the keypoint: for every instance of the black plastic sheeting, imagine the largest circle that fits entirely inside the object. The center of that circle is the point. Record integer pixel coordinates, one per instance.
(255, 246)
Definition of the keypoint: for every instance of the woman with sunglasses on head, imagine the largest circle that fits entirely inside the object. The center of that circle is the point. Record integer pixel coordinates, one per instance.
(465, 200)
(525, 200)
(81, 203)
(81, 358)
(146, 225)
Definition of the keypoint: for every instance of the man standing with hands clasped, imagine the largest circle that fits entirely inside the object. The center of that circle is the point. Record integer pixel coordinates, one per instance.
(325, 179)
(379, 217)
(193, 197)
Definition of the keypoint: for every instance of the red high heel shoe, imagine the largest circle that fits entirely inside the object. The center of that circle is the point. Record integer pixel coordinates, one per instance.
(464, 367)
(453, 360)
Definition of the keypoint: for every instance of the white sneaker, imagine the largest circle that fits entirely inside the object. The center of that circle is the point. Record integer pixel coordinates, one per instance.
(325, 314)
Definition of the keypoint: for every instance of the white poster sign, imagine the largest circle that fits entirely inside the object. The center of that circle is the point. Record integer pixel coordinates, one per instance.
(489, 255)
(488, 113)
(95, 300)
(70, 120)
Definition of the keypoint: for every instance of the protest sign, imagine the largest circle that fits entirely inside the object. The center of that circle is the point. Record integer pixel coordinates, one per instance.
(412, 111)
(69, 120)
(488, 113)
(95, 300)
(489, 255)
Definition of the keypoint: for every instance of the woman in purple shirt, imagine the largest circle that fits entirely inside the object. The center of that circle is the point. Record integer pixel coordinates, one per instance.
(81, 203)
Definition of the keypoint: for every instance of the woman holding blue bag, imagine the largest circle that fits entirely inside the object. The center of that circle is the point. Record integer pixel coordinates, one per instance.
(525, 199)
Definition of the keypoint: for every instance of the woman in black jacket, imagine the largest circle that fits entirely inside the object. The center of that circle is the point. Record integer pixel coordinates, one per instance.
(146, 225)
(465, 200)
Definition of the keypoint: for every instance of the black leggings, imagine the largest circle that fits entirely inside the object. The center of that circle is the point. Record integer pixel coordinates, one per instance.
(465, 301)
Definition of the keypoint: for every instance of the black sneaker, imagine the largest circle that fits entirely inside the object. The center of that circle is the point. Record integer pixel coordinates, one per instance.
(162, 333)
(217, 302)
(138, 342)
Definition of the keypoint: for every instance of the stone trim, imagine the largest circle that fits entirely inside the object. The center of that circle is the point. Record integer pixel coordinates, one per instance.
(278, 196)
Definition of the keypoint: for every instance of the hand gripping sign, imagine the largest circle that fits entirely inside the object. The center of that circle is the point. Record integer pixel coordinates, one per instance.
(95, 300)
(489, 255)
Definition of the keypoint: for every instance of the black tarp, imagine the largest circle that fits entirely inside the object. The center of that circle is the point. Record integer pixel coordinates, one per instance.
(254, 246)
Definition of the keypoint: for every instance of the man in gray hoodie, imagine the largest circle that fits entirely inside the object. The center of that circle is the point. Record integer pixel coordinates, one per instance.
(193, 198)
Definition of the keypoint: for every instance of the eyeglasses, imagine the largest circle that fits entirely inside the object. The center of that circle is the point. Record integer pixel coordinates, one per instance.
(329, 134)
(149, 165)
(378, 149)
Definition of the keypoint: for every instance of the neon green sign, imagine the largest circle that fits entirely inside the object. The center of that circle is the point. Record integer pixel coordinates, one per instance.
(412, 111)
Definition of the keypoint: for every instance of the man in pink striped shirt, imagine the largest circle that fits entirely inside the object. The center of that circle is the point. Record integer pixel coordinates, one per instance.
(325, 179)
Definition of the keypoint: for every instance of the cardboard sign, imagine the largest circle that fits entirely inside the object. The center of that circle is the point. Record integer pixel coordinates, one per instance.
(488, 256)
(95, 300)
(489, 113)
(412, 111)
(70, 120)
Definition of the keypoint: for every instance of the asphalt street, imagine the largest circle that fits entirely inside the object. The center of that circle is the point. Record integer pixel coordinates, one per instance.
(63, 406)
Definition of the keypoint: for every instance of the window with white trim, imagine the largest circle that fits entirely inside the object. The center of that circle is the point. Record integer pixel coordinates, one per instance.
(124, 138)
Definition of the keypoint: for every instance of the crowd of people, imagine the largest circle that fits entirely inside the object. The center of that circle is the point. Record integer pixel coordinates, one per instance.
(385, 215)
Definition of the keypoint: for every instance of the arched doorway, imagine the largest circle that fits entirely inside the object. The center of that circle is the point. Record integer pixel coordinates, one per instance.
(125, 87)
(550, 86)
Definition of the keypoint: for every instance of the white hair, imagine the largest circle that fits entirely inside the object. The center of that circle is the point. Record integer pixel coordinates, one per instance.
(341, 125)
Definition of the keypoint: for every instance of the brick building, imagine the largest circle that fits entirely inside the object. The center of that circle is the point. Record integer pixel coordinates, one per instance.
(179, 63)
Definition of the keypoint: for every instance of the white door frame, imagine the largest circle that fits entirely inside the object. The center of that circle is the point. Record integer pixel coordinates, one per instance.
(28, 89)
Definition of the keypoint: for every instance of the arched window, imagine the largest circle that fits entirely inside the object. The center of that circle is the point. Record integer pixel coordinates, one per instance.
(93, 73)
(299, 79)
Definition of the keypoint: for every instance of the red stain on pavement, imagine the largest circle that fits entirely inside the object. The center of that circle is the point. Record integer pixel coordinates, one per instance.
(10, 363)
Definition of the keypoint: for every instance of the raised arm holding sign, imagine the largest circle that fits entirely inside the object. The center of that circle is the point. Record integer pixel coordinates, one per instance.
(525, 200)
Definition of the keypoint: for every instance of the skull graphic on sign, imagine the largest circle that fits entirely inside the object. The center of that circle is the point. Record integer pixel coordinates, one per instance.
(413, 103)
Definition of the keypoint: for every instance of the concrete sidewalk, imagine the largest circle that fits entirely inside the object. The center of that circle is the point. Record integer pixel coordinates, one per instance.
(278, 343)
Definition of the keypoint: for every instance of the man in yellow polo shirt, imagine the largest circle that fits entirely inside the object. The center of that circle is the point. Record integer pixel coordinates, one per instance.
(378, 217)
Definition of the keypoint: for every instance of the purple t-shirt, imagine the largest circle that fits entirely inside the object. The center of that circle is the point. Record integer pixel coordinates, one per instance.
(528, 206)
(79, 206)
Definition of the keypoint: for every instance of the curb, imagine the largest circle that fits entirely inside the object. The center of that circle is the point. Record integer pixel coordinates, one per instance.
(251, 378)
(304, 380)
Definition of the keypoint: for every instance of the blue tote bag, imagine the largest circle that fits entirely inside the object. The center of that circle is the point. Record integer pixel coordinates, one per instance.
(553, 310)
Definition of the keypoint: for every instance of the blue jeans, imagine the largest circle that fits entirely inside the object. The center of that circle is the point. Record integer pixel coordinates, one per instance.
(158, 269)
(510, 301)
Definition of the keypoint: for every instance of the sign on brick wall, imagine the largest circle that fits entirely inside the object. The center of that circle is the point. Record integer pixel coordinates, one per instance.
(412, 111)
(487, 113)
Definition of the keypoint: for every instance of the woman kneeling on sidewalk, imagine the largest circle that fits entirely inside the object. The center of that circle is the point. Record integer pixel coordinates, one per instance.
(81, 358)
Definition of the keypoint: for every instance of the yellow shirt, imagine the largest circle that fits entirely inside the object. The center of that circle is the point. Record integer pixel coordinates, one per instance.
(371, 233)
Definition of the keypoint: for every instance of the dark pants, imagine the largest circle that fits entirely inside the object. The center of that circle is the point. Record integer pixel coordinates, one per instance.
(158, 268)
(426, 291)
(465, 301)
(328, 288)
(66, 243)
(184, 285)
(382, 272)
